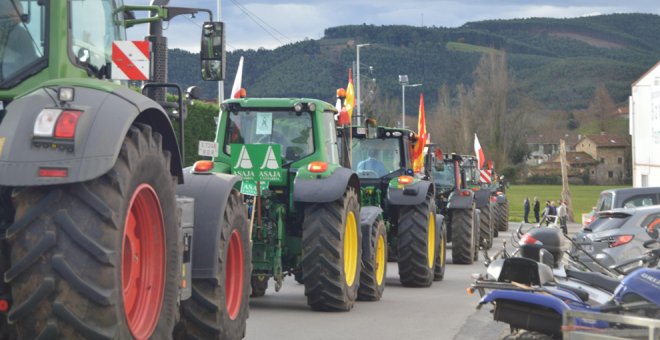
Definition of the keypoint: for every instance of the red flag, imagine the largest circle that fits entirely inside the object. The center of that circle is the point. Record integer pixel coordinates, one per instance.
(236, 88)
(481, 159)
(349, 103)
(490, 165)
(418, 151)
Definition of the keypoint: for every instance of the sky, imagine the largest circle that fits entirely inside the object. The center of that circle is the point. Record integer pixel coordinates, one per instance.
(254, 24)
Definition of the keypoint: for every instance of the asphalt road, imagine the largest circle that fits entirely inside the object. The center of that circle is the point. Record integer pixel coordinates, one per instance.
(443, 311)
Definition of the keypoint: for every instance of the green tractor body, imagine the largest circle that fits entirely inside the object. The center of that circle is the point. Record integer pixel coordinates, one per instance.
(399, 200)
(305, 206)
(96, 237)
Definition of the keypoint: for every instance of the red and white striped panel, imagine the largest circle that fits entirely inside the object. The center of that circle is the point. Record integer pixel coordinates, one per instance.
(130, 60)
(486, 176)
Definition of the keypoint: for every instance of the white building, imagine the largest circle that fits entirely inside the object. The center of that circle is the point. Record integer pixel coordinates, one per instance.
(645, 128)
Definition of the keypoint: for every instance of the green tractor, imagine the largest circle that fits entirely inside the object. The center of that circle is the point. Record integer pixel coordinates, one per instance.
(306, 206)
(96, 234)
(398, 209)
(475, 211)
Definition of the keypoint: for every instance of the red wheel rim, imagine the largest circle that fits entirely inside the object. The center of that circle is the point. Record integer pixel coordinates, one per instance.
(143, 262)
(234, 275)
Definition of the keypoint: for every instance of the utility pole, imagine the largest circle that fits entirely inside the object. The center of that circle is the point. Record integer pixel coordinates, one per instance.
(565, 192)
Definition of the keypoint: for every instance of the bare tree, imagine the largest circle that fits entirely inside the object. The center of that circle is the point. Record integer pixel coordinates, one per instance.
(602, 106)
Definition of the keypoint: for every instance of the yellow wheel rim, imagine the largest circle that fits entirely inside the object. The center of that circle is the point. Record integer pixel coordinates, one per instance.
(442, 249)
(380, 260)
(350, 249)
(431, 241)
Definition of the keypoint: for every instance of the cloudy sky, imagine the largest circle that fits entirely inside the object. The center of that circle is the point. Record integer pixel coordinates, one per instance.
(252, 24)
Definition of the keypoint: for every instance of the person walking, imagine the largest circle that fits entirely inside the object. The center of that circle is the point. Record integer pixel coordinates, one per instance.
(526, 208)
(537, 209)
(562, 212)
(545, 216)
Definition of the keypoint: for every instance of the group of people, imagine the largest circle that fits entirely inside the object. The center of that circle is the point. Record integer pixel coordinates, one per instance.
(551, 210)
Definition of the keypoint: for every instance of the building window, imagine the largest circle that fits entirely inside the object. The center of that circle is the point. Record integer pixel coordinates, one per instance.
(620, 160)
(610, 174)
(602, 160)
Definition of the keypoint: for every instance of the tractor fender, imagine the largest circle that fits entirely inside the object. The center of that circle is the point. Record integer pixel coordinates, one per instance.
(411, 194)
(500, 199)
(327, 189)
(482, 198)
(457, 201)
(369, 214)
(106, 118)
(439, 219)
(210, 192)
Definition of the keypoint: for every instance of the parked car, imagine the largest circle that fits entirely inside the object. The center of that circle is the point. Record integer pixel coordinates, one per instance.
(623, 198)
(618, 235)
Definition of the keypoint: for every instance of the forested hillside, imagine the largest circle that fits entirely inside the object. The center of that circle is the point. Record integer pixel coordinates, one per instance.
(559, 62)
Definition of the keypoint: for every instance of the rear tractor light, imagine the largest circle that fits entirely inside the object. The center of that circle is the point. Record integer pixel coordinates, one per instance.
(621, 240)
(404, 180)
(203, 166)
(53, 172)
(56, 123)
(317, 167)
(465, 193)
(4, 305)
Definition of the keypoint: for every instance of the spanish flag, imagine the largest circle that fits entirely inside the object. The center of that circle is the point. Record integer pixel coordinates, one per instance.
(418, 151)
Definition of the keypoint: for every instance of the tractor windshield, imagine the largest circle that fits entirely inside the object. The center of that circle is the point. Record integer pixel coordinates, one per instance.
(292, 130)
(445, 177)
(375, 158)
(22, 39)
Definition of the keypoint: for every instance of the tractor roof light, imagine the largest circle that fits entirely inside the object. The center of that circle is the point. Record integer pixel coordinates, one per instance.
(404, 180)
(317, 167)
(311, 107)
(203, 166)
(65, 94)
(297, 107)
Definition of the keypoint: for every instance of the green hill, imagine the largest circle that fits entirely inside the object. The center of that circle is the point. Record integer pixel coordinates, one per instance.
(557, 62)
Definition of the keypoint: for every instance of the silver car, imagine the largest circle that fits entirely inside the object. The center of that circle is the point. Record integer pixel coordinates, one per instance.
(617, 235)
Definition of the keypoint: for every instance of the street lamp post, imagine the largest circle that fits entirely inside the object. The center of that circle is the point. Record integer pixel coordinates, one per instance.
(359, 113)
(403, 80)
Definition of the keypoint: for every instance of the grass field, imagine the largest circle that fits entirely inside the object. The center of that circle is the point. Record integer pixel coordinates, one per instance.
(584, 197)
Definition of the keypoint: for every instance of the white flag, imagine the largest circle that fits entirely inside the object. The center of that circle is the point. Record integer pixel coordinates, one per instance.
(236, 88)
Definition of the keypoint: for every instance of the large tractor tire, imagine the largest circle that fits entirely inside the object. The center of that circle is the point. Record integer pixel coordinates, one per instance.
(417, 246)
(374, 261)
(486, 226)
(219, 309)
(99, 259)
(463, 236)
(503, 221)
(331, 253)
(441, 257)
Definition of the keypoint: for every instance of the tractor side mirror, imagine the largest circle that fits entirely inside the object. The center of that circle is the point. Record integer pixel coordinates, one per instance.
(212, 53)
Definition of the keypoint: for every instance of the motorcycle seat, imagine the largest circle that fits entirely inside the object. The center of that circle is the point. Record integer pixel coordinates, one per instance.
(595, 279)
(582, 294)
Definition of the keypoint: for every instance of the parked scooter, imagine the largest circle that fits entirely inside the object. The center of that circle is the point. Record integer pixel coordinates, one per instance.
(528, 295)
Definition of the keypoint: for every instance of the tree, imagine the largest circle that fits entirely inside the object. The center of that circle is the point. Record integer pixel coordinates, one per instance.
(602, 106)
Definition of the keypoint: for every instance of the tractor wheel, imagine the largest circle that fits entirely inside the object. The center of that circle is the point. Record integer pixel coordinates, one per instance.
(259, 283)
(99, 259)
(463, 236)
(298, 275)
(417, 244)
(374, 261)
(441, 257)
(486, 226)
(219, 310)
(331, 253)
(504, 217)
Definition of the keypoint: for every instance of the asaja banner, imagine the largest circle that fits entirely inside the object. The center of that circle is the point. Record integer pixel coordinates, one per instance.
(256, 162)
